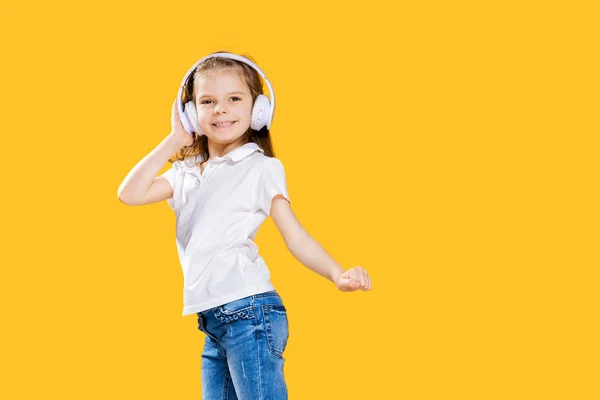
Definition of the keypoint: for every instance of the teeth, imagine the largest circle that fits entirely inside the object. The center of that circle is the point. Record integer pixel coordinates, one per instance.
(224, 124)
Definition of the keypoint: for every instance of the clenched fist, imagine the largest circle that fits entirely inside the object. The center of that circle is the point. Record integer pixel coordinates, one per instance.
(353, 279)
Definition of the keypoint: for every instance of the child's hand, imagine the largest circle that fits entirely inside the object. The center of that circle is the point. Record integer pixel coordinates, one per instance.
(353, 279)
(177, 130)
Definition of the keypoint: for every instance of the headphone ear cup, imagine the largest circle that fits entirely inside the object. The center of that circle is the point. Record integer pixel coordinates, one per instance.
(185, 121)
(260, 112)
(192, 118)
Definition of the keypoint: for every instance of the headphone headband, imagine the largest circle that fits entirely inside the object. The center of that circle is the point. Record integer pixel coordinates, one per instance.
(233, 57)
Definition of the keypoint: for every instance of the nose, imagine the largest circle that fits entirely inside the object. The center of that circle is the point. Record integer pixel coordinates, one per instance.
(220, 109)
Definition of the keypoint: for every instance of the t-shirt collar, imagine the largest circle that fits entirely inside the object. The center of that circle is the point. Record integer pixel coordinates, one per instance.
(235, 155)
(242, 152)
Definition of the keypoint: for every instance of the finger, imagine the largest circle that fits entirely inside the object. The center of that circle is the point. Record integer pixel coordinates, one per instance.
(352, 285)
(350, 282)
(173, 113)
(356, 273)
(344, 284)
(360, 272)
(365, 280)
(369, 284)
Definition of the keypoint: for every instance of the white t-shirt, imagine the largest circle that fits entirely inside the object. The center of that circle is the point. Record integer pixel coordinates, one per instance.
(218, 214)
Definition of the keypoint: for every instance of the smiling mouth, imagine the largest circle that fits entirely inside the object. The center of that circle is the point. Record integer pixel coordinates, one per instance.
(225, 126)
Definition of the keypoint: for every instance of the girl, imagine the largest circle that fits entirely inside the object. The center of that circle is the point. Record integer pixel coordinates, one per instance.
(223, 183)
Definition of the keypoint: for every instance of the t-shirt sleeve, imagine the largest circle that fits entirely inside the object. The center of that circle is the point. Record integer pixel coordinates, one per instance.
(271, 183)
(170, 177)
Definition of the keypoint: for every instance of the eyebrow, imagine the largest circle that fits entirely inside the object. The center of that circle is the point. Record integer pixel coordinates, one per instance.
(210, 95)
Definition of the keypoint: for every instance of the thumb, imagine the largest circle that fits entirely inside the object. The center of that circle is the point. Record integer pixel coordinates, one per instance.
(348, 284)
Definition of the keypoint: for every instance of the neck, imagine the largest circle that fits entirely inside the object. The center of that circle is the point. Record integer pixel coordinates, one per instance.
(219, 150)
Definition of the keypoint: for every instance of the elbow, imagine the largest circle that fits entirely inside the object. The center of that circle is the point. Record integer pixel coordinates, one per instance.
(124, 200)
(120, 195)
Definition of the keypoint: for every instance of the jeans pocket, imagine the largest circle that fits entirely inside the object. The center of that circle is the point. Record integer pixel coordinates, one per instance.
(276, 327)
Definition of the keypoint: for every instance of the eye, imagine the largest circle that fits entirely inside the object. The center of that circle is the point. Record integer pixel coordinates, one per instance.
(232, 97)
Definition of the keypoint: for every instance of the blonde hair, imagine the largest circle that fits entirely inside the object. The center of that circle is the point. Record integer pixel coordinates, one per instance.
(252, 79)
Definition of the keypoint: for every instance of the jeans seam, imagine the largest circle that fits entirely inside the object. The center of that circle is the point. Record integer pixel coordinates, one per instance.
(266, 309)
(226, 385)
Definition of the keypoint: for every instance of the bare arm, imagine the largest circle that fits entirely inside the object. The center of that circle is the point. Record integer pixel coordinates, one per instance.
(142, 176)
(300, 244)
(311, 254)
(141, 185)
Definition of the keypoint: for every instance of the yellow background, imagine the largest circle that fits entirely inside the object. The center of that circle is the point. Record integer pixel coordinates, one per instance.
(449, 148)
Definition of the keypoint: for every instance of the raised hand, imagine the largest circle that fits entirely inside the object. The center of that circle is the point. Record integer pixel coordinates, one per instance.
(186, 138)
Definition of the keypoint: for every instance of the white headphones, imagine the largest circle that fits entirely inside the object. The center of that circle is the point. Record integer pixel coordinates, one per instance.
(262, 111)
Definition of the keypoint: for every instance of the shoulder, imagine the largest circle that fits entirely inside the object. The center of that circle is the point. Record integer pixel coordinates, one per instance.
(260, 162)
(272, 172)
(272, 168)
(271, 163)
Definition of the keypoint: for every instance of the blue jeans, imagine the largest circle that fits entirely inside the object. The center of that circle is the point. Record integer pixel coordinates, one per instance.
(243, 349)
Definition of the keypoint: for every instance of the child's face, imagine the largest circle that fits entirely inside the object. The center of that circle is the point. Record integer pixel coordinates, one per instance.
(215, 102)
